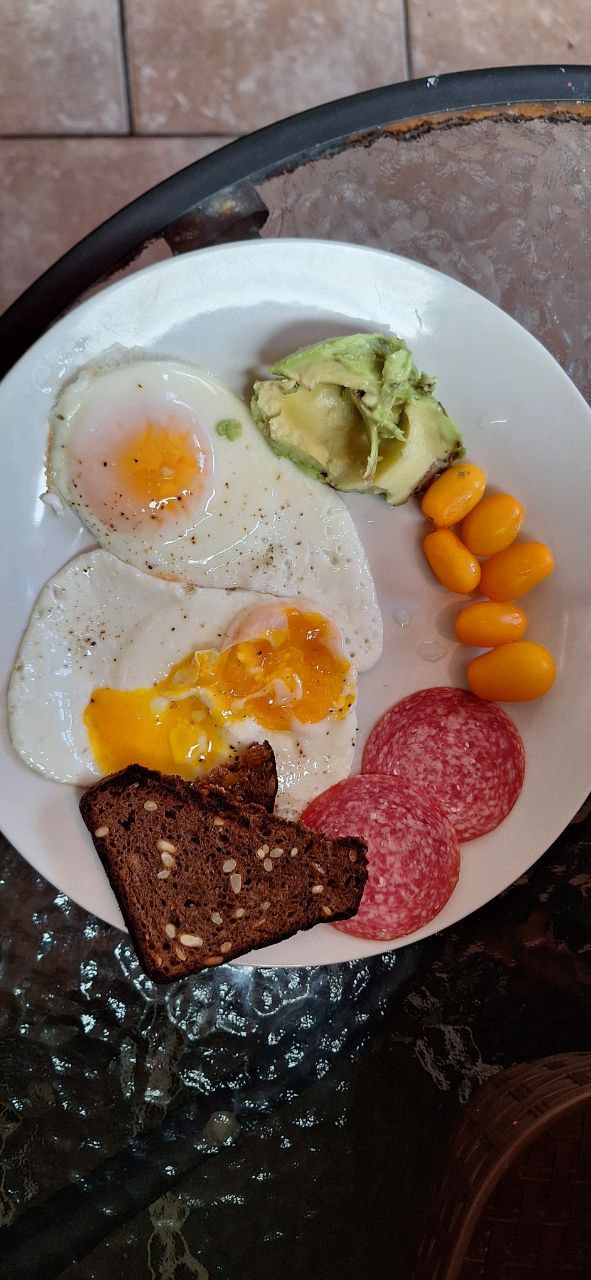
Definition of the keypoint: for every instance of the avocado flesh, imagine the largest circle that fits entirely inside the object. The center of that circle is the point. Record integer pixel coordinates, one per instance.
(355, 361)
(357, 413)
(318, 429)
(377, 369)
(432, 441)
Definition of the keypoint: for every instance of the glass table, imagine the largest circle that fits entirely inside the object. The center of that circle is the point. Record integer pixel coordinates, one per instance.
(256, 1123)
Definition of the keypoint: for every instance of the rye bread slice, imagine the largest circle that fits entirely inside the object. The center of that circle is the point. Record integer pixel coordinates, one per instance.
(202, 877)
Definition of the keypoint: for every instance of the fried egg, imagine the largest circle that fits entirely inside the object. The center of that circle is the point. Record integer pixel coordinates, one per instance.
(135, 450)
(117, 667)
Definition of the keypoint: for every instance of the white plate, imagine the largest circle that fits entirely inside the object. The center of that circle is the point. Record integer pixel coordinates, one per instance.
(232, 309)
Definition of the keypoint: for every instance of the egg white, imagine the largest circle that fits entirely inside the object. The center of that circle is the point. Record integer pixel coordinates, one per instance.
(260, 523)
(100, 622)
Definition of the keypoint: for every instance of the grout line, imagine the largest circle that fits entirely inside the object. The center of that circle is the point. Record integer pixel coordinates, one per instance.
(407, 39)
(126, 73)
(110, 137)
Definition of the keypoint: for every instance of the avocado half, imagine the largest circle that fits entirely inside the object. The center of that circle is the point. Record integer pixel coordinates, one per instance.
(356, 413)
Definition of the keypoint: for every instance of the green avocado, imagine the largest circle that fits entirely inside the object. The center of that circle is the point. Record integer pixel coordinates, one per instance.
(357, 413)
(317, 428)
(231, 428)
(431, 442)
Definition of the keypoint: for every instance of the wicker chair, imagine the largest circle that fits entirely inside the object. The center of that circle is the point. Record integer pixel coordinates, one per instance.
(513, 1200)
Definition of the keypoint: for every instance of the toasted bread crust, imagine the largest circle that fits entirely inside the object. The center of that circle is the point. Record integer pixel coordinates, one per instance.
(252, 776)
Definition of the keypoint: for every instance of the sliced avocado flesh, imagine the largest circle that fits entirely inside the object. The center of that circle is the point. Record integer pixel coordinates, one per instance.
(354, 361)
(432, 442)
(319, 429)
(322, 431)
(357, 413)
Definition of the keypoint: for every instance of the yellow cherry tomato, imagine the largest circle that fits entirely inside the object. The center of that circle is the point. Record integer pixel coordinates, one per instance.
(488, 623)
(451, 561)
(493, 525)
(512, 673)
(509, 574)
(453, 494)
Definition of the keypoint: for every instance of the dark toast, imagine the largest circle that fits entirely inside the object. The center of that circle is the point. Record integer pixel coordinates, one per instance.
(192, 870)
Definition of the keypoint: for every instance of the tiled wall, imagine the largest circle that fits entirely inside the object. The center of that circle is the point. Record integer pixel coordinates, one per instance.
(100, 99)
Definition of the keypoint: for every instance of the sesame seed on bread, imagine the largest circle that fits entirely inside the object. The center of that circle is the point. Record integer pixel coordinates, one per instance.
(203, 876)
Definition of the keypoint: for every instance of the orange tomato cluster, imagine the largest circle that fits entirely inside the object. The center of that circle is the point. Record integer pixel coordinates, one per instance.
(512, 669)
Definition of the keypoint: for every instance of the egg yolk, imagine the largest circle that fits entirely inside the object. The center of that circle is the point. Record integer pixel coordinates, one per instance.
(159, 466)
(286, 677)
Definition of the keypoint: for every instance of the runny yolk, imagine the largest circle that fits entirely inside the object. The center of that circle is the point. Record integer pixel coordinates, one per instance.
(160, 466)
(289, 676)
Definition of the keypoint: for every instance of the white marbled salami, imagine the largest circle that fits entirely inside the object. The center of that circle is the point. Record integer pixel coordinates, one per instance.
(465, 754)
(412, 851)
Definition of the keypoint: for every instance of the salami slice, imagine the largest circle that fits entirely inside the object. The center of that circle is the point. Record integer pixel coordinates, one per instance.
(464, 753)
(412, 851)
